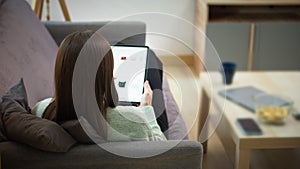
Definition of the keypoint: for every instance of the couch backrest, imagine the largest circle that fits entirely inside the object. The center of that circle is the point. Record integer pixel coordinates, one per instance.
(114, 32)
(26, 50)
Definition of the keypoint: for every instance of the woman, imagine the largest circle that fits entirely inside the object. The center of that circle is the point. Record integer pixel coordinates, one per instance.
(124, 123)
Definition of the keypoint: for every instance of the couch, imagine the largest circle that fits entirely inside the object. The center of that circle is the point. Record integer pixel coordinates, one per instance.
(28, 50)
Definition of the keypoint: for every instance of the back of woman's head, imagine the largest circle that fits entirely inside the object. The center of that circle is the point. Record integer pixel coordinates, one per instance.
(67, 55)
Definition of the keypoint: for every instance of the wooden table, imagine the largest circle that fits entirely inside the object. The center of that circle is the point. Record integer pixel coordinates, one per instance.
(237, 145)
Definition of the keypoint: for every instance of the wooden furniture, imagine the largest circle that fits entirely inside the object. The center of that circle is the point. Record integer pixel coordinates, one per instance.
(237, 145)
(37, 6)
(251, 17)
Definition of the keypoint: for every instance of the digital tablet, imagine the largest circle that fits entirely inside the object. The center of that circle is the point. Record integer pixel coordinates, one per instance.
(130, 72)
(243, 96)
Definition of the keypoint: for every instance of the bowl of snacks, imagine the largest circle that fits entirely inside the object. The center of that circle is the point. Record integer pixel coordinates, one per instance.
(272, 108)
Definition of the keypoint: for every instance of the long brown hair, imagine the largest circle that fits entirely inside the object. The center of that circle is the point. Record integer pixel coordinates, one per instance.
(67, 55)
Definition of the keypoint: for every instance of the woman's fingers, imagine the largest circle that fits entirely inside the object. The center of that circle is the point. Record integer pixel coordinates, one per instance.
(147, 97)
(147, 87)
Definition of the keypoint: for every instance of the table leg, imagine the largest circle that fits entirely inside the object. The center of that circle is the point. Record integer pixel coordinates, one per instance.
(204, 109)
(242, 158)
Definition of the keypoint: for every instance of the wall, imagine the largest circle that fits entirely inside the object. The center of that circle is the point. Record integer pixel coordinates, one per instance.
(101, 10)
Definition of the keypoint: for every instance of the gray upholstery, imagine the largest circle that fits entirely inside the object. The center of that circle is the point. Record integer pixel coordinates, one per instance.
(29, 129)
(186, 155)
(177, 128)
(114, 32)
(28, 50)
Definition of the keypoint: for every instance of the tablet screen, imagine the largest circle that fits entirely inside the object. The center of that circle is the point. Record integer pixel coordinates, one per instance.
(129, 71)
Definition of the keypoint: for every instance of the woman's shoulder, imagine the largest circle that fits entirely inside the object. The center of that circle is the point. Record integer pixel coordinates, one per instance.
(124, 110)
(132, 113)
(41, 106)
(127, 123)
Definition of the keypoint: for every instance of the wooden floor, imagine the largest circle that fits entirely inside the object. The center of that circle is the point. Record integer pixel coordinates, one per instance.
(216, 157)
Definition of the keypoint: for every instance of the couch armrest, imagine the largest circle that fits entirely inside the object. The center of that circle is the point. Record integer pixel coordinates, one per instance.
(185, 154)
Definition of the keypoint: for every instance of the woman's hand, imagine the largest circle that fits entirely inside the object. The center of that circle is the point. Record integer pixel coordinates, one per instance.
(147, 96)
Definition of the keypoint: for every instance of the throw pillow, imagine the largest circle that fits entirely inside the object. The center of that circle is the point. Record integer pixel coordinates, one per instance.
(78, 128)
(2, 135)
(74, 128)
(21, 126)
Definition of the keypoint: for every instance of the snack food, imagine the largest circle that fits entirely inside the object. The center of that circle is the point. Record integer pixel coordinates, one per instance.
(272, 114)
(272, 108)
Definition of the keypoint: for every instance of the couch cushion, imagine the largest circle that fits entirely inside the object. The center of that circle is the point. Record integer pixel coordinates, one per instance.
(21, 126)
(177, 128)
(186, 154)
(27, 50)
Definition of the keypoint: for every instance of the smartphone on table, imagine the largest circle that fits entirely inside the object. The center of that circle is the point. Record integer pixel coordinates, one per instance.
(249, 126)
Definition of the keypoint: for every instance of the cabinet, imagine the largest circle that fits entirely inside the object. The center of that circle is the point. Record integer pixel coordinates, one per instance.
(231, 41)
(276, 44)
(257, 35)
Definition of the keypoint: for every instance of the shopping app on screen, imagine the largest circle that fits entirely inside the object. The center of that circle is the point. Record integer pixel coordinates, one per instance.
(129, 71)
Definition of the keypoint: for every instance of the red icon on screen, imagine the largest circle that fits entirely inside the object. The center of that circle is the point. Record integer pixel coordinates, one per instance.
(123, 58)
